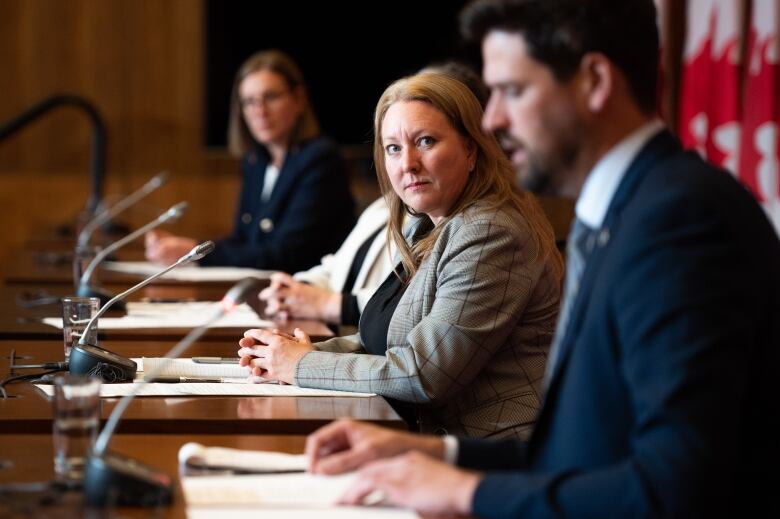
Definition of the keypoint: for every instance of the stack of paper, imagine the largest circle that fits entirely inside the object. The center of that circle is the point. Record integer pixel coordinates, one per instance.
(176, 315)
(234, 382)
(196, 456)
(188, 272)
(189, 368)
(288, 494)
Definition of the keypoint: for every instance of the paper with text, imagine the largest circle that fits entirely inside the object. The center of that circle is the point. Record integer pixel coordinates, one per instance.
(188, 368)
(196, 455)
(302, 490)
(212, 389)
(188, 272)
(335, 512)
(176, 315)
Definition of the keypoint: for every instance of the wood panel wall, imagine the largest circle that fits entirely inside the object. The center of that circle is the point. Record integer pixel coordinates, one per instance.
(141, 63)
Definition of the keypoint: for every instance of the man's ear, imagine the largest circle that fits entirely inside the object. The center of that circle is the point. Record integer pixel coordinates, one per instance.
(598, 80)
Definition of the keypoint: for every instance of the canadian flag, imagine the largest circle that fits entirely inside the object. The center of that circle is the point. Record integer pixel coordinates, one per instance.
(709, 95)
(760, 157)
(662, 17)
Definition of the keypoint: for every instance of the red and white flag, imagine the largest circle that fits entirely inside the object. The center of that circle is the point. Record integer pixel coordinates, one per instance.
(709, 96)
(662, 20)
(759, 163)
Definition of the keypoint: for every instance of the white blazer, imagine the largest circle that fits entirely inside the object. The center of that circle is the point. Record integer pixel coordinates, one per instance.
(334, 268)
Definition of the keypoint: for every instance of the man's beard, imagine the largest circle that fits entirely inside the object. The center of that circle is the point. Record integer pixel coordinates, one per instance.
(546, 175)
(532, 177)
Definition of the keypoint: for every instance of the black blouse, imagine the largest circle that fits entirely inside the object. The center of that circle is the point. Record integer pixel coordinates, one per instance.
(350, 311)
(379, 310)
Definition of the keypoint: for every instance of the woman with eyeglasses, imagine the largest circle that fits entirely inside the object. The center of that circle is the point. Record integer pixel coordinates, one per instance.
(295, 205)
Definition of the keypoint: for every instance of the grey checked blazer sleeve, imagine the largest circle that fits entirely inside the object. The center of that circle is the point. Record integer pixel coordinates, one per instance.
(462, 341)
(347, 344)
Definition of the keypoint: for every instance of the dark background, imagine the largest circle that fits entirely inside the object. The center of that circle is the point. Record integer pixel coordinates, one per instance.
(347, 66)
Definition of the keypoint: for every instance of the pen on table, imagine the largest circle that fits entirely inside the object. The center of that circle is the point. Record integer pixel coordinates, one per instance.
(215, 360)
(182, 380)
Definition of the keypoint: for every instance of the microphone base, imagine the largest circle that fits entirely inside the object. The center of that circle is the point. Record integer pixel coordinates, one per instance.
(86, 359)
(105, 297)
(112, 479)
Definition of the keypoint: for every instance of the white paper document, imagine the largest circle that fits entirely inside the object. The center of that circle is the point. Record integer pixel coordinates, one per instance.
(301, 489)
(333, 512)
(188, 368)
(186, 273)
(285, 496)
(176, 315)
(195, 455)
(229, 387)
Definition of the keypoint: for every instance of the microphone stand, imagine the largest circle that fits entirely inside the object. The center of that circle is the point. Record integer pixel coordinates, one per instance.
(89, 359)
(130, 200)
(97, 156)
(84, 289)
(111, 478)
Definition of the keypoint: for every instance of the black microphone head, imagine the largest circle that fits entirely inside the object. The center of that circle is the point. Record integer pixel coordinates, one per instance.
(200, 250)
(238, 293)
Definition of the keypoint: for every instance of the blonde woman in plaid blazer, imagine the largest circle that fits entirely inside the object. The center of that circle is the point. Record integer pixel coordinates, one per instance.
(467, 341)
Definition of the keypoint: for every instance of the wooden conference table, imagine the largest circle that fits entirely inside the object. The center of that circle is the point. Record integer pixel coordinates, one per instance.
(28, 410)
(28, 459)
(55, 267)
(267, 423)
(19, 323)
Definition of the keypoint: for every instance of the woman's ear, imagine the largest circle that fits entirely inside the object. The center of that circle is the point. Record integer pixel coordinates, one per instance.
(299, 95)
(597, 80)
(471, 154)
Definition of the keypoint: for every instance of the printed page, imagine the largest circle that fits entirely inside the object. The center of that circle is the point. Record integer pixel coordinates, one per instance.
(199, 456)
(175, 315)
(188, 368)
(268, 489)
(186, 273)
(225, 388)
(334, 512)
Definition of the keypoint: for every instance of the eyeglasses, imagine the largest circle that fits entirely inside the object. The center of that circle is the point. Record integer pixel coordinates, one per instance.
(267, 99)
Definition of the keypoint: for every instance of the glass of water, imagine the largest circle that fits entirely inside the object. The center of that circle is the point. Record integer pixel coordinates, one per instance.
(76, 313)
(76, 409)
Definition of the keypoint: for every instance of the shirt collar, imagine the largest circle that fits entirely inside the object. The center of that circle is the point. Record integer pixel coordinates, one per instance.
(604, 179)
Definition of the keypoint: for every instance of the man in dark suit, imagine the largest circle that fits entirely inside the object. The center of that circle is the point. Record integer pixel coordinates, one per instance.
(659, 396)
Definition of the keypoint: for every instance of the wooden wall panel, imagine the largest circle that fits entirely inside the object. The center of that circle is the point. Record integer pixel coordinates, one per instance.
(141, 63)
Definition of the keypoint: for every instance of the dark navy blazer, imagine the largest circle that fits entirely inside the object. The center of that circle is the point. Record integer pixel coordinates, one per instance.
(663, 402)
(309, 213)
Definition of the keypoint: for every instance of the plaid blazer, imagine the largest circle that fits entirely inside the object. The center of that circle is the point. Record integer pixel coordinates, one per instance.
(468, 340)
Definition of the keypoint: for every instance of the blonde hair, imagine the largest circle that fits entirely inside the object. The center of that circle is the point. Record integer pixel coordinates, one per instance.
(491, 181)
(240, 140)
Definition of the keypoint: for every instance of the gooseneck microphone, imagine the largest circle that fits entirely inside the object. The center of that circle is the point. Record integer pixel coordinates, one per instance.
(89, 359)
(130, 200)
(114, 479)
(85, 289)
(97, 157)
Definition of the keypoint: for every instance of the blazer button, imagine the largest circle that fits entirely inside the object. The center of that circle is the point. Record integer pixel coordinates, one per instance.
(252, 158)
(266, 225)
(246, 218)
(603, 238)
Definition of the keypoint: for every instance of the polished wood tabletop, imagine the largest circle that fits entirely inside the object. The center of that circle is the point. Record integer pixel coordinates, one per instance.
(27, 458)
(21, 314)
(55, 267)
(28, 410)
